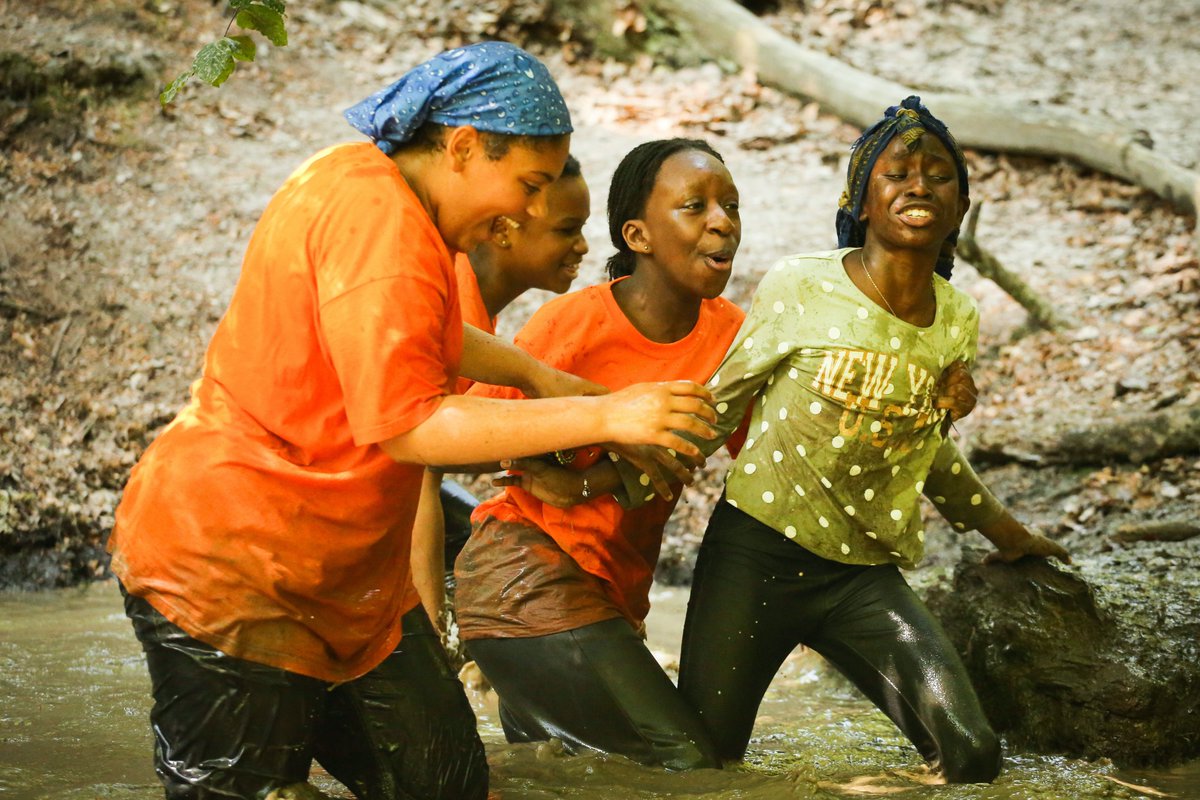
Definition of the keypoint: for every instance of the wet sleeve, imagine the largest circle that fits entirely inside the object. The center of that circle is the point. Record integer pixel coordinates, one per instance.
(957, 492)
(387, 312)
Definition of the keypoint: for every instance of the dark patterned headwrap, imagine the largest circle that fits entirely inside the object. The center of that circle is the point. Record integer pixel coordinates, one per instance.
(910, 121)
(493, 86)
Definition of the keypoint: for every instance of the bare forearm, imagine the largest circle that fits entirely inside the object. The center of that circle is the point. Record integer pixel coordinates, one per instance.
(428, 548)
(490, 359)
(473, 430)
(465, 429)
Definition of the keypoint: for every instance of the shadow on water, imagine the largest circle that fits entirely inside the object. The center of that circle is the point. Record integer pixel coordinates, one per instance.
(74, 698)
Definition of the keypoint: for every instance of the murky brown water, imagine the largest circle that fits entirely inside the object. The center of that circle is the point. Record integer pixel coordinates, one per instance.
(74, 698)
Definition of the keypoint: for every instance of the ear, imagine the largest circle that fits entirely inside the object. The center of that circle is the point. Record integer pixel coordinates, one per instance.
(502, 227)
(461, 144)
(636, 236)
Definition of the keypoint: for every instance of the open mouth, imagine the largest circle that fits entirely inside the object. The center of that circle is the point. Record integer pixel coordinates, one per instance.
(916, 215)
(722, 260)
(570, 269)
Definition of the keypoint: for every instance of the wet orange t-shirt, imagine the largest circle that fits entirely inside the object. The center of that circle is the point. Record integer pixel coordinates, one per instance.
(265, 520)
(587, 334)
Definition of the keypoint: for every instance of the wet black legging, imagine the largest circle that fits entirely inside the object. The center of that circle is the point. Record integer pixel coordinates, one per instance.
(595, 687)
(228, 728)
(756, 596)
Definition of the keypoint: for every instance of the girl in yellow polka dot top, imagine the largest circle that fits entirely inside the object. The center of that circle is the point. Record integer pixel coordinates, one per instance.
(855, 362)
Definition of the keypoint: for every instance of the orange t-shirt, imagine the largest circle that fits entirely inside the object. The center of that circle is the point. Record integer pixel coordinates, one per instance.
(587, 334)
(474, 312)
(264, 520)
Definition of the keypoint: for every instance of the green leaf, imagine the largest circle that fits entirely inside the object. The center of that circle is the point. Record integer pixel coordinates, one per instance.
(168, 94)
(267, 21)
(239, 4)
(244, 47)
(214, 63)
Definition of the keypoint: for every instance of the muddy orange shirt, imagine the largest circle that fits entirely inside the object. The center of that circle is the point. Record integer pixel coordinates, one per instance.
(587, 334)
(265, 520)
(474, 312)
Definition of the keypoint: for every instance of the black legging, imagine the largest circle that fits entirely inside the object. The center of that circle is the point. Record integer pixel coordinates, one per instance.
(757, 595)
(595, 687)
(229, 728)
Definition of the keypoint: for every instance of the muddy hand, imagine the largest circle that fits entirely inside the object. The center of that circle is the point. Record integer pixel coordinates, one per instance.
(661, 465)
(552, 485)
(652, 413)
(1033, 545)
(956, 391)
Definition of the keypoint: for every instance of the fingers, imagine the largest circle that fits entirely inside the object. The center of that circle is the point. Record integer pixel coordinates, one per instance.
(690, 389)
(681, 471)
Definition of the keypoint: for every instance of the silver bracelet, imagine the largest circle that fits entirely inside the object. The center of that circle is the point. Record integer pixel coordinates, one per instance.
(587, 490)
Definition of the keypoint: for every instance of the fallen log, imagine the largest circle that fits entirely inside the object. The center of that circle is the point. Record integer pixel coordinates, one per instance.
(1162, 530)
(1136, 438)
(1041, 311)
(726, 30)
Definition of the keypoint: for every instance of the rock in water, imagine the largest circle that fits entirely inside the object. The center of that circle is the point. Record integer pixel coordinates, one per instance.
(1098, 659)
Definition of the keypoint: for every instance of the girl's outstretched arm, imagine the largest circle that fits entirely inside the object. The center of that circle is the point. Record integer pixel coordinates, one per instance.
(464, 429)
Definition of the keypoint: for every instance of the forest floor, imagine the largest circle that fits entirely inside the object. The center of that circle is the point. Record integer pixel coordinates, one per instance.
(123, 225)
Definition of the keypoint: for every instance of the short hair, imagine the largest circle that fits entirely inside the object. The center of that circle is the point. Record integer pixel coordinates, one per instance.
(631, 186)
(572, 169)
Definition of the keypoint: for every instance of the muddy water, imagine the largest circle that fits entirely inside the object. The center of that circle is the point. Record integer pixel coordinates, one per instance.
(74, 697)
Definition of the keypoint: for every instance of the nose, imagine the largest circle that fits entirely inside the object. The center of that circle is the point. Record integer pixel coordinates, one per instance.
(581, 245)
(918, 184)
(719, 220)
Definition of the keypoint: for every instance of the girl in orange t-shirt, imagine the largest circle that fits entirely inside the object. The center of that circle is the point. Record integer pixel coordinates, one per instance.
(552, 587)
(542, 253)
(263, 538)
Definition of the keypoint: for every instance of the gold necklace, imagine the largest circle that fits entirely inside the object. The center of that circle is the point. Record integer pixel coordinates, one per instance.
(862, 255)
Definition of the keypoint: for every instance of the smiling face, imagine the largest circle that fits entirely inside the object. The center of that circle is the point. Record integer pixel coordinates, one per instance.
(484, 188)
(545, 252)
(912, 198)
(691, 225)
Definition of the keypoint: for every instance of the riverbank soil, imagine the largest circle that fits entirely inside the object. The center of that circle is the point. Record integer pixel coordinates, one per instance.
(123, 224)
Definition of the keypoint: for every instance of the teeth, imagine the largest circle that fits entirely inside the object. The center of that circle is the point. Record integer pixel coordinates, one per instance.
(916, 212)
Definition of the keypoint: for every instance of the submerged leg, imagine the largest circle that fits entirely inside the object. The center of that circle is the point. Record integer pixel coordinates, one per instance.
(745, 616)
(405, 730)
(883, 638)
(595, 687)
(223, 727)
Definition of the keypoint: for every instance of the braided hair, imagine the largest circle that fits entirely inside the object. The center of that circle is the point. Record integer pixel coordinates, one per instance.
(631, 186)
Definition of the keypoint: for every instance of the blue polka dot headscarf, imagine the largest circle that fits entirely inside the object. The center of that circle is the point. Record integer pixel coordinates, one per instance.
(910, 121)
(494, 86)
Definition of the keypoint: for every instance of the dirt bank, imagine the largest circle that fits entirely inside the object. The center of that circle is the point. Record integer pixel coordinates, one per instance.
(123, 226)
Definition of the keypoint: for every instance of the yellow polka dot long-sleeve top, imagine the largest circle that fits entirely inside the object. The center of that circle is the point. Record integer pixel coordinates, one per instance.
(844, 436)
